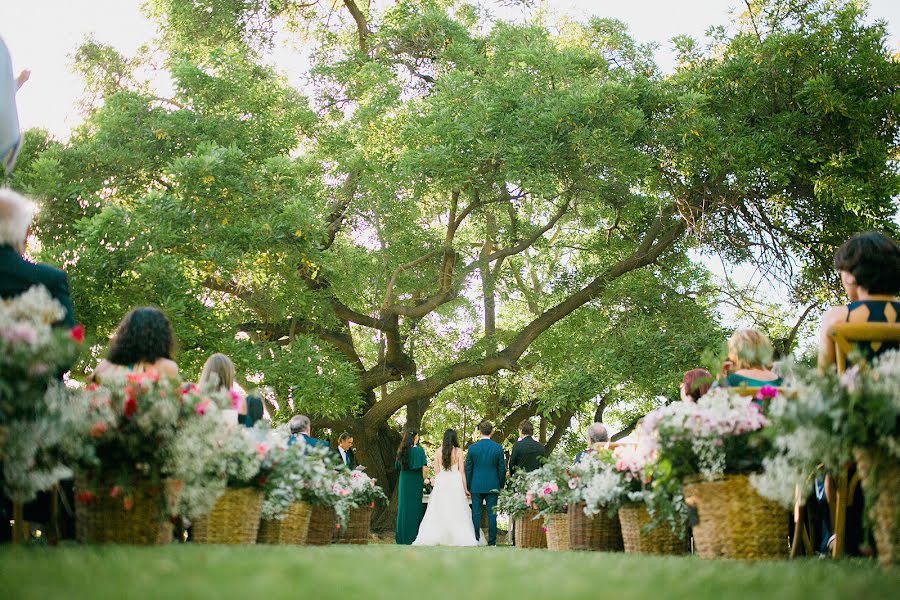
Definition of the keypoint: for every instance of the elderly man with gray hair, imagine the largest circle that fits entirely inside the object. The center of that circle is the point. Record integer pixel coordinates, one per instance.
(17, 275)
(596, 435)
(300, 427)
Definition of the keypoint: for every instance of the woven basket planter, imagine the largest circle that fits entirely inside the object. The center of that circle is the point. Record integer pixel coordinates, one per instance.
(735, 521)
(599, 533)
(558, 532)
(659, 540)
(292, 529)
(530, 531)
(104, 520)
(357, 529)
(234, 519)
(322, 523)
(884, 508)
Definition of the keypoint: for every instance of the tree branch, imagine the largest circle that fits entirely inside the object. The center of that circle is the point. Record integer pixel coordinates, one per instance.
(362, 26)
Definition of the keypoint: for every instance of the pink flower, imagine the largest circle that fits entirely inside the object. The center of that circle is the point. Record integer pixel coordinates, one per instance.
(134, 377)
(115, 491)
(262, 448)
(235, 400)
(529, 499)
(130, 407)
(200, 407)
(573, 483)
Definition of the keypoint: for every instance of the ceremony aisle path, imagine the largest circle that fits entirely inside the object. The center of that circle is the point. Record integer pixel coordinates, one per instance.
(394, 573)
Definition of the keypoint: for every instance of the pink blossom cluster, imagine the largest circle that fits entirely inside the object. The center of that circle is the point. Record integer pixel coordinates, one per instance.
(721, 412)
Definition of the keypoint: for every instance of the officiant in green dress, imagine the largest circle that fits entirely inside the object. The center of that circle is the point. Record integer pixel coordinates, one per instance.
(412, 464)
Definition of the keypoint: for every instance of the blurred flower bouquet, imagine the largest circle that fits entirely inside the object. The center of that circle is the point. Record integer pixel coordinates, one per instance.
(35, 411)
(832, 421)
(364, 492)
(296, 475)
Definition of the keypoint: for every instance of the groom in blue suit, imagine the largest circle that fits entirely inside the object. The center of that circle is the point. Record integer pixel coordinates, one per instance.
(486, 474)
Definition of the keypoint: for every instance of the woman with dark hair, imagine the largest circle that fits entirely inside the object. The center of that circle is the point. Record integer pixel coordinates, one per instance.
(448, 520)
(869, 266)
(413, 467)
(143, 342)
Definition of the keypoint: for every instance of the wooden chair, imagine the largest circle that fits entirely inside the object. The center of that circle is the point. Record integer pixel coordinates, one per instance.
(845, 337)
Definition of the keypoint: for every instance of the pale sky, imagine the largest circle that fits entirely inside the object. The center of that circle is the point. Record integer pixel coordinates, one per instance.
(42, 34)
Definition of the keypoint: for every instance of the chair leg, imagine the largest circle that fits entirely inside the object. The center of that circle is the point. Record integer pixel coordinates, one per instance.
(840, 513)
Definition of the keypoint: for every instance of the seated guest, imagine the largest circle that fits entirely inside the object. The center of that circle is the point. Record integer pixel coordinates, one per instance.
(527, 453)
(597, 438)
(218, 371)
(300, 427)
(17, 275)
(254, 411)
(869, 266)
(143, 342)
(344, 450)
(749, 361)
(695, 384)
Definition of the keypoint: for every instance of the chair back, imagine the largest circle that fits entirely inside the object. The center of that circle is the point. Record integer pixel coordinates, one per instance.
(846, 335)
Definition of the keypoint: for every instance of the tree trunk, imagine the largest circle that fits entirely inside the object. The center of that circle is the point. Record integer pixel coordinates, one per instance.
(377, 450)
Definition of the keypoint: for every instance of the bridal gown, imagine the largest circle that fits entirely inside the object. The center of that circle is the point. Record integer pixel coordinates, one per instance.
(448, 520)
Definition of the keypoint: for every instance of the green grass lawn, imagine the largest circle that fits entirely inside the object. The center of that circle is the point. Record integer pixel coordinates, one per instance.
(395, 573)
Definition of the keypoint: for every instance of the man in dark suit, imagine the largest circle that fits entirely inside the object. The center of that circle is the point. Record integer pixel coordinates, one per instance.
(300, 427)
(597, 434)
(527, 453)
(486, 475)
(17, 275)
(344, 450)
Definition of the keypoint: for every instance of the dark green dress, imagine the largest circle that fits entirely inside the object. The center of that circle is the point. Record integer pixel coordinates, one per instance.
(409, 497)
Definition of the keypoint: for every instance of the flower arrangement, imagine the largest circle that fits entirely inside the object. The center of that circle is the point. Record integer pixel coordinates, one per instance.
(512, 498)
(829, 419)
(719, 434)
(551, 488)
(130, 427)
(35, 411)
(363, 490)
(615, 478)
(208, 456)
(296, 474)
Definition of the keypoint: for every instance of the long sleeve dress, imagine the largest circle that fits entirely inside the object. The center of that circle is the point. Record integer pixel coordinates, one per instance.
(409, 496)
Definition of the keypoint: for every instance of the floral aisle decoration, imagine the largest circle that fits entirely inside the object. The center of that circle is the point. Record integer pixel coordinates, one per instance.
(550, 490)
(831, 421)
(593, 519)
(364, 494)
(514, 501)
(711, 447)
(35, 411)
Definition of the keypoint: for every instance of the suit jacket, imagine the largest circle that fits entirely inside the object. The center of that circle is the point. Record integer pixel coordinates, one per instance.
(351, 458)
(526, 455)
(485, 467)
(17, 275)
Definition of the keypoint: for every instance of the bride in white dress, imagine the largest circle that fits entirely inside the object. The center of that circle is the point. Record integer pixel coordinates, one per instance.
(448, 520)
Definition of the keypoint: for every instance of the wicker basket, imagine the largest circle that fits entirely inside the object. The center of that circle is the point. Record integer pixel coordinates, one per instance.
(735, 521)
(322, 523)
(357, 529)
(558, 532)
(234, 519)
(600, 533)
(104, 519)
(530, 531)
(659, 540)
(885, 506)
(292, 529)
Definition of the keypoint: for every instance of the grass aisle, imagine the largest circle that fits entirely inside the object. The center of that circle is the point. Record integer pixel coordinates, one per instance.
(390, 572)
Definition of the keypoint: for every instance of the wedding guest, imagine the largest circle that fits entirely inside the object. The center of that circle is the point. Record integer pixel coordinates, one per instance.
(255, 411)
(597, 436)
(527, 453)
(749, 361)
(413, 467)
(17, 275)
(869, 266)
(695, 384)
(300, 429)
(143, 342)
(218, 371)
(344, 450)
